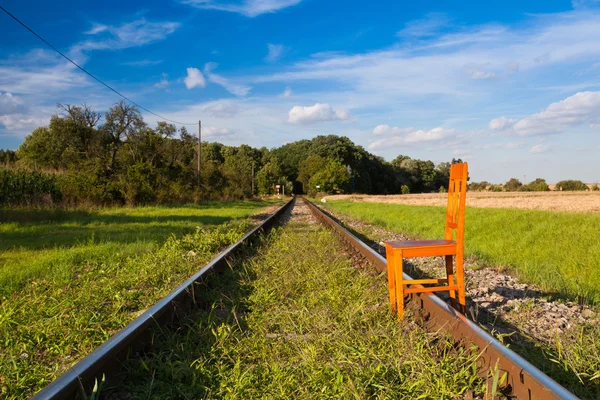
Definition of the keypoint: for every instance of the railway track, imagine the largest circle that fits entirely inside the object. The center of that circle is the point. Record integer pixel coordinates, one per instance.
(523, 380)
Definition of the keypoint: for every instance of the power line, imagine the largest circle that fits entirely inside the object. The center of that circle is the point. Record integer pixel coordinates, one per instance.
(88, 73)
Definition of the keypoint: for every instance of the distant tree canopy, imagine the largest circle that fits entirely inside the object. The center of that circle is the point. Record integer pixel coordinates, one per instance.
(115, 157)
(571, 185)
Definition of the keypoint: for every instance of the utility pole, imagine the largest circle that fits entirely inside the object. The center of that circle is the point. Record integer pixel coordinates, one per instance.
(199, 150)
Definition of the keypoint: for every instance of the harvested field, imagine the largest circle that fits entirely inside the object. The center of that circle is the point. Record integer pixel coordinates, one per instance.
(583, 202)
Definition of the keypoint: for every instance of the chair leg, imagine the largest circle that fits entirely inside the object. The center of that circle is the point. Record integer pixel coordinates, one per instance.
(399, 284)
(460, 280)
(391, 276)
(450, 276)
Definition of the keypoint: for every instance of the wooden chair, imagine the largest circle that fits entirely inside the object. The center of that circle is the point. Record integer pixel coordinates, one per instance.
(450, 246)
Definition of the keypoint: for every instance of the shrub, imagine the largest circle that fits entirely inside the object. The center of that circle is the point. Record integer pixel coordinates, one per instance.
(571, 185)
(595, 187)
(539, 185)
(404, 189)
(443, 190)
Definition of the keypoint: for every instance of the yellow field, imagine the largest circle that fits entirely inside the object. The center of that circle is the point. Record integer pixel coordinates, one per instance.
(584, 202)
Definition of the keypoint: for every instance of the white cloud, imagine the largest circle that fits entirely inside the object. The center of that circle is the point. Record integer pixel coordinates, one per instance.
(581, 108)
(233, 88)
(397, 137)
(194, 78)
(221, 109)
(164, 82)
(132, 34)
(481, 75)
(499, 124)
(286, 93)
(388, 130)
(275, 52)
(249, 8)
(540, 148)
(22, 121)
(436, 66)
(213, 133)
(10, 104)
(317, 113)
(97, 28)
(430, 25)
(595, 126)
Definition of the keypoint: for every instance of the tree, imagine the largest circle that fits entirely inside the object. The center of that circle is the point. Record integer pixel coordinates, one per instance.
(512, 185)
(122, 120)
(268, 176)
(571, 185)
(332, 178)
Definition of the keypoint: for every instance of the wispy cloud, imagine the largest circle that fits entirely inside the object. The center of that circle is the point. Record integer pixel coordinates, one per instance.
(286, 93)
(132, 34)
(398, 137)
(432, 24)
(163, 83)
(249, 8)
(231, 87)
(275, 51)
(317, 113)
(142, 63)
(581, 108)
(540, 148)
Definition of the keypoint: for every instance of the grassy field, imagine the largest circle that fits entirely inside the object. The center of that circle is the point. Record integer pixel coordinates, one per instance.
(71, 279)
(559, 252)
(296, 321)
(49, 243)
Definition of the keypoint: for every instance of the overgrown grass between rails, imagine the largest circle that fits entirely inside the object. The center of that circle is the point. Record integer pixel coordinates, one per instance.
(47, 243)
(53, 321)
(559, 252)
(297, 321)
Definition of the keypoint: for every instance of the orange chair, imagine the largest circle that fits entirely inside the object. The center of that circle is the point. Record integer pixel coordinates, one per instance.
(396, 252)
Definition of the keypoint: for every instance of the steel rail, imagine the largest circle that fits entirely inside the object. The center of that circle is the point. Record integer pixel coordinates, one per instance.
(104, 361)
(523, 380)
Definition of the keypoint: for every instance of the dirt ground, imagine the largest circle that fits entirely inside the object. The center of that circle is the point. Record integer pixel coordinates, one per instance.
(586, 202)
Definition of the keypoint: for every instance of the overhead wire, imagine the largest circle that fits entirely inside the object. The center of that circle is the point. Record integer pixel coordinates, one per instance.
(89, 73)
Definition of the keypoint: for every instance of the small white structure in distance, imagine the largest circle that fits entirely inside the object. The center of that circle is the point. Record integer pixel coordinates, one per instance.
(323, 200)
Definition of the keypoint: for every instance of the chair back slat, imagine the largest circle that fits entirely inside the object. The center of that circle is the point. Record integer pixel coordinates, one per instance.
(455, 209)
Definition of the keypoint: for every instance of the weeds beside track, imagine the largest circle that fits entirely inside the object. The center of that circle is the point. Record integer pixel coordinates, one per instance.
(298, 321)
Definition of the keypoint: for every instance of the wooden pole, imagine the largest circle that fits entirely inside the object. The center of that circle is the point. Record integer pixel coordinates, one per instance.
(199, 151)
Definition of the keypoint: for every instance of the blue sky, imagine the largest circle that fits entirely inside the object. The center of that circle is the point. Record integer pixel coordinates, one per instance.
(512, 87)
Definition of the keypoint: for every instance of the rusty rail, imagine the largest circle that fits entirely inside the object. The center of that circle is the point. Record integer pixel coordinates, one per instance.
(105, 360)
(523, 380)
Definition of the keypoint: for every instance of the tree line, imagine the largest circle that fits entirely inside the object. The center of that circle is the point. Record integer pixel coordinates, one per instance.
(86, 157)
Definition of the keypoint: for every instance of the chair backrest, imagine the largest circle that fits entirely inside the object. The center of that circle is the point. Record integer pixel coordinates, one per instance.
(457, 200)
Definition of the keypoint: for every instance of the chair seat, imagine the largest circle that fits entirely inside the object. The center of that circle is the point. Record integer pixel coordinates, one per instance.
(424, 248)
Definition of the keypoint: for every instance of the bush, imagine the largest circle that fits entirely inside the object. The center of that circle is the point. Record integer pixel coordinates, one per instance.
(512, 185)
(404, 189)
(539, 185)
(19, 187)
(571, 185)
(595, 187)
(443, 190)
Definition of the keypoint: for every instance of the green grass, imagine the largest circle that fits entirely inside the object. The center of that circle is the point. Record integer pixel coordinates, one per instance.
(559, 252)
(82, 291)
(297, 321)
(48, 243)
